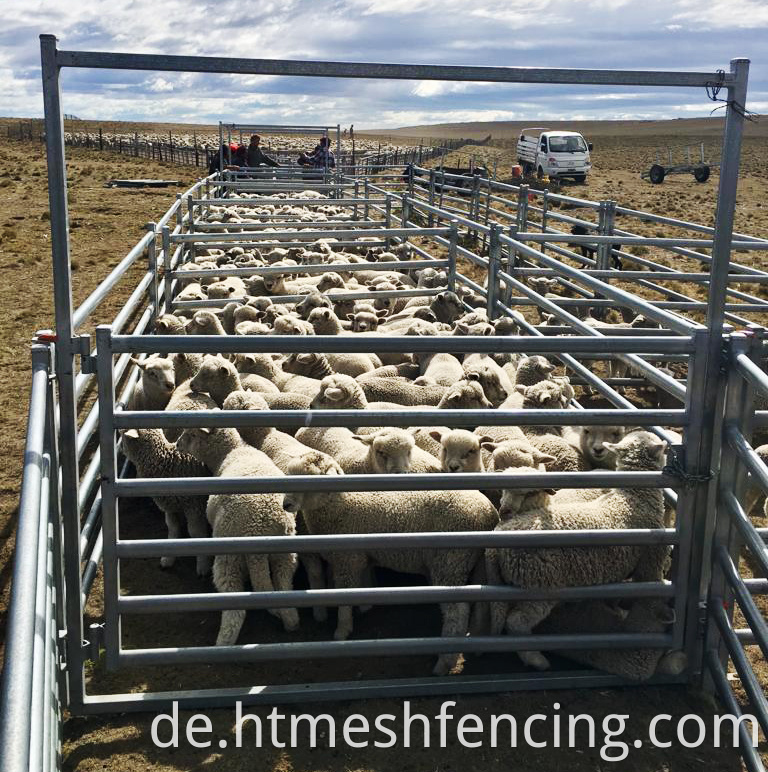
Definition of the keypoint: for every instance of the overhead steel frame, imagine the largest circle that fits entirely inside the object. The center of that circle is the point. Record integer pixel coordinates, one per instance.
(708, 386)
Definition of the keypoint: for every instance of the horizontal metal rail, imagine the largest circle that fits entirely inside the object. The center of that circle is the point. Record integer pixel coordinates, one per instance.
(308, 235)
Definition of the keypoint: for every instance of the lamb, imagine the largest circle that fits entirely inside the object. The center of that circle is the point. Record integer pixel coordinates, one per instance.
(645, 615)
(185, 366)
(205, 323)
(491, 378)
(526, 510)
(401, 390)
(169, 324)
(410, 512)
(291, 325)
(219, 377)
(590, 442)
(154, 456)
(387, 451)
(313, 299)
(156, 386)
(438, 368)
(267, 367)
(459, 450)
(531, 370)
(320, 365)
(465, 395)
(226, 454)
(231, 287)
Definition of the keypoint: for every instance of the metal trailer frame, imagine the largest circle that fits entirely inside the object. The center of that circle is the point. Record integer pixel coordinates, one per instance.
(696, 474)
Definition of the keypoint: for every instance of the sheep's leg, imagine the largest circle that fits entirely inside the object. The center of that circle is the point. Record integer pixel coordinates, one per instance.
(173, 523)
(261, 581)
(283, 567)
(522, 619)
(498, 609)
(197, 525)
(313, 565)
(348, 571)
(454, 569)
(228, 576)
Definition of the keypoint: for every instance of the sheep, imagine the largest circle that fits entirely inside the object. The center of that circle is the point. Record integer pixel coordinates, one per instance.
(156, 386)
(205, 323)
(645, 615)
(328, 512)
(312, 300)
(464, 395)
(267, 367)
(320, 365)
(590, 442)
(531, 370)
(219, 377)
(231, 287)
(325, 322)
(526, 510)
(185, 366)
(401, 390)
(442, 369)
(459, 450)
(169, 324)
(291, 325)
(185, 397)
(226, 454)
(492, 378)
(387, 451)
(154, 456)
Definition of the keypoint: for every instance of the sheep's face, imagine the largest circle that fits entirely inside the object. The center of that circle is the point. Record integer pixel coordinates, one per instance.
(168, 324)
(312, 463)
(447, 306)
(460, 451)
(490, 383)
(592, 444)
(213, 373)
(533, 369)
(639, 451)
(157, 375)
(516, 454)
(287, 325)
(390, 451)
(194, 441)
(365, 321)
(221, 290)
(505, 325)
(273, 284)
(203, 323)
(545, 395)
(338, 391)
(465, 395)
(321, 318)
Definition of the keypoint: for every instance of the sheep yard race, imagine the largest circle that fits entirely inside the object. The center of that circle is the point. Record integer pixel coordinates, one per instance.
(353, 423)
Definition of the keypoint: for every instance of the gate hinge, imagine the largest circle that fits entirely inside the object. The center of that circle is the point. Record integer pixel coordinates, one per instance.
(82, 344)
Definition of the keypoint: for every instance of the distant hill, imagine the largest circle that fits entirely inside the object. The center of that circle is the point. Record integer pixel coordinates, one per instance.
(507, 129)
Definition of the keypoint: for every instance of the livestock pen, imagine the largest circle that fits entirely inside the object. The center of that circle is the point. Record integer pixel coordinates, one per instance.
(76, 482)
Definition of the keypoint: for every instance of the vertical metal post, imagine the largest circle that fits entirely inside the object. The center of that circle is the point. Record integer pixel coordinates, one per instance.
(166, 235)
(388, 216)
(109, 512)
(357, 195)
(494, 261)
(65, 366)
(367, 195)
(405, 210)
(739, 408)
(452, 254)
(511, 263)
(544, 212)
(522, 208)
(431, 218)
(154, 285)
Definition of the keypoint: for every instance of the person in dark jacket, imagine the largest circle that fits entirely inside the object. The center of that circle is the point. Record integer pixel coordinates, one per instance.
(241, 156)
(214, 166)
(256, 156)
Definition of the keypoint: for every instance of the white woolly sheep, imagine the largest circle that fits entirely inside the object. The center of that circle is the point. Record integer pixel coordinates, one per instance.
(156, 385)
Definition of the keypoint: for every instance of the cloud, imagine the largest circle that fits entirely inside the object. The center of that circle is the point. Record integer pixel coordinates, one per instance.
(663, 34)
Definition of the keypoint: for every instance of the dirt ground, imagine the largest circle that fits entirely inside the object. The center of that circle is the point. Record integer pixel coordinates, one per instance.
(105, 224)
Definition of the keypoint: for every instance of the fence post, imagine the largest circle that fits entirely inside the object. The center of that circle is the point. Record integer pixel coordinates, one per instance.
(522, 208)
(511, 262)
(154, 285)
(452, 254)
(357, 196)
(494, 260)
(388, 216)
(166, 236)
(432, 175)
(544, 212)
(101, 139)
(136, 144)
(366, 193)
(406, 210)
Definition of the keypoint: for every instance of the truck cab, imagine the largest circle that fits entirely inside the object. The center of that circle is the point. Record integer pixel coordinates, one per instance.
(554, 154)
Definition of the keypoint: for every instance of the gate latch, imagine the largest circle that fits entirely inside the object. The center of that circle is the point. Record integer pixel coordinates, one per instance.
(82, 345)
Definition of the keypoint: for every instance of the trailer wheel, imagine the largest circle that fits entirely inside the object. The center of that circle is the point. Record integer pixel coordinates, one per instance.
(701, 173)
(656, 174)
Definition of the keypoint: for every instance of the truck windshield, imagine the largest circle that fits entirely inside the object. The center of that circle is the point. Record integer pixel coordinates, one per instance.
(566, 145)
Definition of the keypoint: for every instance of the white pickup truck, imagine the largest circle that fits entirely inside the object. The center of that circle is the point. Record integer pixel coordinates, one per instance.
(554, 154)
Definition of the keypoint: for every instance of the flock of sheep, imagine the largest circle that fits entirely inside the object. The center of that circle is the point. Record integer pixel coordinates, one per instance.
(390, 381)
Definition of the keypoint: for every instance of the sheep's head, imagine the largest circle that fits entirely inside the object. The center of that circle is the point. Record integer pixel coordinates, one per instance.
(204, 323)
(313, 300)
(544, 395)
(215, 374)
(246, 314)
(195, 441)
(302, 363)
(389, 450)
(447, 306)
(365, 321)
(339, 392)
(516, 501)
(168, 324)
(314, 462)
(533, 369)
(157, 374)
(264, 365)
(134, 440)
(592, 440)
(489, 379)
(322, 319)
(330, 280)
(245, 400)
(639, 451)
(465, 395)
(508, 325)
(513, 454)
(222, 290)
(291, 325)
(459, 450)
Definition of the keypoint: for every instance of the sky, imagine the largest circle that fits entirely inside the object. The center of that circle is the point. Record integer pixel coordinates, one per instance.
(620, 34)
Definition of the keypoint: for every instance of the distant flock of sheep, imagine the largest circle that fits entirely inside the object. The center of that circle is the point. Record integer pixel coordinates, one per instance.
(210, 141)
(391, 381)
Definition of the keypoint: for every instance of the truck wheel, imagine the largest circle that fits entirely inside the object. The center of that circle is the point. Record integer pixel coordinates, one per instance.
(656, 174)
(540, 173)
(701, 173)
(580, 177)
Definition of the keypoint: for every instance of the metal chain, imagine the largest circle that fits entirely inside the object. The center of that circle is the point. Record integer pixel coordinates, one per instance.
(675, 468)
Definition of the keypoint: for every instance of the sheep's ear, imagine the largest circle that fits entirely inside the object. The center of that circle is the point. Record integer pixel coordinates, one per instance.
(205, 430)
(610, 446)
(223, 370)
(485, 438)
(548, 367)
(550, 491)
(141, 365)
(543, 398)
(488, 330)
(454, 398)
(462, 328)
(472, 375)
(133, 433)
(204, 289)
(489, 445)
(381, 313)
(542, 458)
(657, 451)
(350, 317)
(161, 324)
(304, 358)
(436, 434)
(366, 439)
(521, 389)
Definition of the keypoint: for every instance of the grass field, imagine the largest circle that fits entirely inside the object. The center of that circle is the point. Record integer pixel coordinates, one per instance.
(105, 223)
